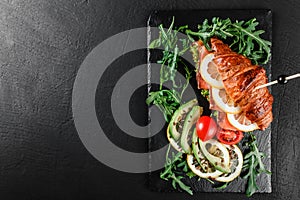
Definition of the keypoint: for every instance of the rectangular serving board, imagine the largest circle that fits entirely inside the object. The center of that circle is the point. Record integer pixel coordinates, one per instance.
(192, 18)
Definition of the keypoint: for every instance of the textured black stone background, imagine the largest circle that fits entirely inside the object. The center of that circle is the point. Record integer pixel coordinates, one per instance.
(42, 44)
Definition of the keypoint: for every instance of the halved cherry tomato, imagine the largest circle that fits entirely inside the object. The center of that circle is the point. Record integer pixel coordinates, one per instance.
(206, 128)
(229, 137)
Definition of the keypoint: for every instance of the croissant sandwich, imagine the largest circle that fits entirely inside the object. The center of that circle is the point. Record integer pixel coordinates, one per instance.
(239, 78)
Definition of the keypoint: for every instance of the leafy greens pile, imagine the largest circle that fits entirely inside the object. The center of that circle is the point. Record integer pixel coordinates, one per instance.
(244, 39)
(175, 169)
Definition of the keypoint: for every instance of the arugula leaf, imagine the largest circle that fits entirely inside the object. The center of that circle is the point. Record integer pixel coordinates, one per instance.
(166, 100)
(155, 43)
(195, 53)
(222, 186)
(253, 165)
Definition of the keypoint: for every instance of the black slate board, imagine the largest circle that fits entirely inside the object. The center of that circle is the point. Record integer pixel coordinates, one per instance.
(192, 18)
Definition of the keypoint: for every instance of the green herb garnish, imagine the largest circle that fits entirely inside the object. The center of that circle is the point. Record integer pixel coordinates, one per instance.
(253, 165)
(166, 100)
(205, 94)
(246, 40)
(173, 49)
(222, 186)
(169, 100)
(175, 169)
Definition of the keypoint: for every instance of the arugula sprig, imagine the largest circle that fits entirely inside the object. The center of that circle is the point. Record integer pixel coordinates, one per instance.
(166, 100)
(253, 165)
(175, 168)
(174, 47)
(246, 39)
(169, 100)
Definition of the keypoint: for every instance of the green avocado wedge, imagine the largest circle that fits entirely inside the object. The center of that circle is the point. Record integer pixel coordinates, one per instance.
(178, 117)
(189, 122)
(196, 150)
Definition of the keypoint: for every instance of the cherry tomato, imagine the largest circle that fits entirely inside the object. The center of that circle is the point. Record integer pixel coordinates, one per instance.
(229, 137)
(206, 128)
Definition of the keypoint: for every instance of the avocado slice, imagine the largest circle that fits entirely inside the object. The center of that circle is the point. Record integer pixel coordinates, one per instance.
(189, 121)
(221, 164)
(178, 116)
(196, 150)
(173, 143)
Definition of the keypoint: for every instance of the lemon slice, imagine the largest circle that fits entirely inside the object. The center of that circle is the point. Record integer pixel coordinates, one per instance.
(210, 173)
(210, 152)
(236, 164)
(224, 102)
(241, 122)
(209, 72)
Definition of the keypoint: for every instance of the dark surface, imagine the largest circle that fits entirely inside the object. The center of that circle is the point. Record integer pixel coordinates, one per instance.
(42, 44)
(192, 18)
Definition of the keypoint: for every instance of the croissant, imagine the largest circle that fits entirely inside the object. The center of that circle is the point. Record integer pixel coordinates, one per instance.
(240, 78)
